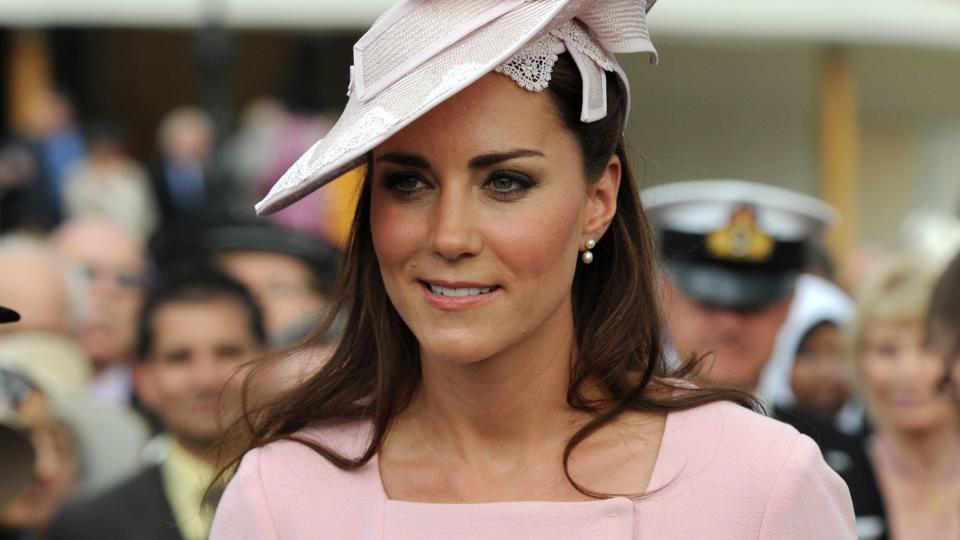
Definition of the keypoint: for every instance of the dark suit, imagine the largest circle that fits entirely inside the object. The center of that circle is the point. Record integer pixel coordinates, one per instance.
(161, 192)
(846, 456)
(136, 509)
(167, 200)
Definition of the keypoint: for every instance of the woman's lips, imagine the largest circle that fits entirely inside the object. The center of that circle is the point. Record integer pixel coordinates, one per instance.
(459, 296)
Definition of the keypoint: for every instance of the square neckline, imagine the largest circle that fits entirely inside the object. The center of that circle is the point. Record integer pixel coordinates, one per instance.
(655, 482)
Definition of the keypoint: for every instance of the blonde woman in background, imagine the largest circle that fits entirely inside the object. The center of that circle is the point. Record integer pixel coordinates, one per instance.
(915, 448)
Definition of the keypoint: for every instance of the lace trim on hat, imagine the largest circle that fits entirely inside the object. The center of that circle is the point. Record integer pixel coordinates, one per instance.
(532, 67)
(572, 33)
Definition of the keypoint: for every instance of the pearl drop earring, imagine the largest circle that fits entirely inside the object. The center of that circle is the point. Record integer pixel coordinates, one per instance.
(587, 256)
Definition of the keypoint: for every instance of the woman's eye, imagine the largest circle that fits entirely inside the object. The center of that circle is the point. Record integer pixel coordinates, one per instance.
(404, 183)
(504, 184)
(509, 184)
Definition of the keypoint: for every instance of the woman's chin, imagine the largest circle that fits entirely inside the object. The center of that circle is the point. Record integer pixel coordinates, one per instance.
(455, 350)
(919, 421)
(471, 343)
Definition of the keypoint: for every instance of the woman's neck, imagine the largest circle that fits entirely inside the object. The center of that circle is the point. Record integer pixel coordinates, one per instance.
(496, 429)
(930, 453)
(506, 404)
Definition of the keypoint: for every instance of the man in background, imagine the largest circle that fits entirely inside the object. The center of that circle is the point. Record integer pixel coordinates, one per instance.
(57, 145)
(109, 264)
(733, 251)
(195, 332)
(111, 185)
(290, 273)
(35, 282)
(185, 138)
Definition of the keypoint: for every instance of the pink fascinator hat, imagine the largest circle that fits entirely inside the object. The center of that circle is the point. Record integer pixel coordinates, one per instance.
(421, 52)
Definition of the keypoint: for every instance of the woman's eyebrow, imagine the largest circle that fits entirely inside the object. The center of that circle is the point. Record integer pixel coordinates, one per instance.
(486, 160)
(409, 160)
(478, 162)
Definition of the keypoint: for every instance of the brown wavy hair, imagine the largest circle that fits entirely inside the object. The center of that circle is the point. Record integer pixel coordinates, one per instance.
(942, 327)
(375, 370)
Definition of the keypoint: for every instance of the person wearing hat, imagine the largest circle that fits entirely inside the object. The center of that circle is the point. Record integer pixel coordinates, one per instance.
(734, 253)
(290, 273)
(805, 382)
(38, 458)
(17, 457)
(809, 369)
(502, 337)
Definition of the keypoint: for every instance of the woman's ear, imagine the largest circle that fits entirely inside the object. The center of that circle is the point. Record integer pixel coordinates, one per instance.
(602, 201)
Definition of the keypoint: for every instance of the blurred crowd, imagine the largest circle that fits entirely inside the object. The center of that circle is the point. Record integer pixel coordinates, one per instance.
(143, 288)
(140, 289)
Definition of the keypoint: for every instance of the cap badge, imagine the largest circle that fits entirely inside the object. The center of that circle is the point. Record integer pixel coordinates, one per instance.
(742, 239)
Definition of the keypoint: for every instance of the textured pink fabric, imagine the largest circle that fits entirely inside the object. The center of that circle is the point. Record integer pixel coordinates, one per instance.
(722, 473)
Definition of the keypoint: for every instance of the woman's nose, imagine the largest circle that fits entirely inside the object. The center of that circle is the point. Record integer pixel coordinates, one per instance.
(453, 232)
(916, 368)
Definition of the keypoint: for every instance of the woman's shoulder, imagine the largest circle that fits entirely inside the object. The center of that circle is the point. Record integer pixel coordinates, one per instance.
(735, 435)
(281, 489)
(348, 439)
(730, 414)
(732, 466)
(296, 461)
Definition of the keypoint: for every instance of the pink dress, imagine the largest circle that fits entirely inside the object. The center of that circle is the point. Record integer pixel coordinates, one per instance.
(723, 472)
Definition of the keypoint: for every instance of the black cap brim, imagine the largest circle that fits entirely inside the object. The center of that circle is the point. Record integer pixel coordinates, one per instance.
(731, 288)
(8, 315)
(264, 237)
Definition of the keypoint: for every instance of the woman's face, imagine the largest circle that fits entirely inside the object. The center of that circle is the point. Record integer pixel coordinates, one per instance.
(900, 379)
(818, 380)
(478, 212)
